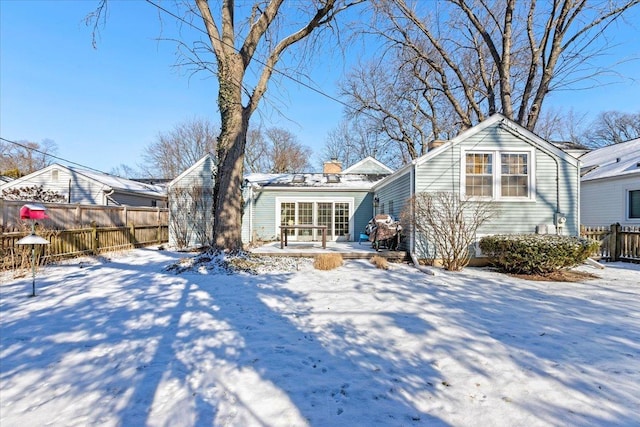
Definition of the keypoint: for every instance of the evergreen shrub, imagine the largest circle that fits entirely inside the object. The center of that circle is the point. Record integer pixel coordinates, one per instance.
(536, 253)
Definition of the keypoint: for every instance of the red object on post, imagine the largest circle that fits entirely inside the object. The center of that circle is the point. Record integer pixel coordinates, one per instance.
(33, 212)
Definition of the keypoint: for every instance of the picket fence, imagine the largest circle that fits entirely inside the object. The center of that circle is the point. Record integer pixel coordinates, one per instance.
(617, 243)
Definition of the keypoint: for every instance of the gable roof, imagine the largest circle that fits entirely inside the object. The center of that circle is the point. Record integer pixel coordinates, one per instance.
(616, 160)
(111, 182)
(368, 165)
(196, 165)
(505, 124)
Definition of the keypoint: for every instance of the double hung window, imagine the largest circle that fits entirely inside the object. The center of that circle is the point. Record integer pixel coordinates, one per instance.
(498, 174)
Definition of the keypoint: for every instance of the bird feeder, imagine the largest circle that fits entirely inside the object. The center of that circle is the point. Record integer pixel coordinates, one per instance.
(33, 213)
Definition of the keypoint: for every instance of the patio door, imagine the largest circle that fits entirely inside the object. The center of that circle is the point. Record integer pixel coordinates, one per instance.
(334, 214)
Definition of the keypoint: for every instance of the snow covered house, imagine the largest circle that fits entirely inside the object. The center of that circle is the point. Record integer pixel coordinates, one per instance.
(341, 200)
(82, 186)
(610, 185)
(533, 184)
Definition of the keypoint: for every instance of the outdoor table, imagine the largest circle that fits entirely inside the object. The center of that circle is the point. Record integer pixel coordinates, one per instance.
(285, 228)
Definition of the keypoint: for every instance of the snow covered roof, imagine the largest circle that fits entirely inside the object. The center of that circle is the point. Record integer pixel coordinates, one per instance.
(314, 180)
(121, 184)
(111, 181)
(621, 159)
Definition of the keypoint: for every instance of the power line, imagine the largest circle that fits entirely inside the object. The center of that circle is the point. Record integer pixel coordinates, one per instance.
(274, 70)
(51, 155)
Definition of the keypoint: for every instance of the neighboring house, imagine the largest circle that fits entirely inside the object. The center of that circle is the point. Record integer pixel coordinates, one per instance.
(610, 185)
(534, 184)
(83, 186)
(340, 199)
(191, 205)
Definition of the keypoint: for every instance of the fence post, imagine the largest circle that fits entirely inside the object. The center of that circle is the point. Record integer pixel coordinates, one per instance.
(132, 235)
(94, 237)
(615, 242)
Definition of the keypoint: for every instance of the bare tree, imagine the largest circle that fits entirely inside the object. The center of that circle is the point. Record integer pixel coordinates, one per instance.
(448, 223)
(275, 150)
(475, 58)
(176, 150)
(256, 156)
(558, 125)
(23, 157)
(242, 47)
(613, 127)
(354, 140)
(288, 155)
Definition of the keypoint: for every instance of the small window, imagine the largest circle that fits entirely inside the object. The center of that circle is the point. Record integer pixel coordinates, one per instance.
(391, 208)
(515, 175)
(479, 175)
(634, 204)
(298, 179)
(54, 175)
(333, 178)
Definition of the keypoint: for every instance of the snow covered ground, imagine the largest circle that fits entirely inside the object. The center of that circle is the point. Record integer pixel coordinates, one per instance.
(124, 341)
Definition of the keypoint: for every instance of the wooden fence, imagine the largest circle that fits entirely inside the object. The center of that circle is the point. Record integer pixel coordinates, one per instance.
(617, 243)
(66, 216)
(76, 242)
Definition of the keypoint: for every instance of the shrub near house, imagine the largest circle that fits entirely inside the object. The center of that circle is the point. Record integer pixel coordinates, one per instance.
(535, 253)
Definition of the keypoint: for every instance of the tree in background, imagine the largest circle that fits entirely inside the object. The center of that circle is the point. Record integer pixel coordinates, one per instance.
(354, 140)
(176, 150)
(612, 127)
(275, 150)
(462, 60)
(22, 158)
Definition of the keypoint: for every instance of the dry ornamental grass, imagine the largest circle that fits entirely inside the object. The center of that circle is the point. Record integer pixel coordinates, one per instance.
(327, 261)
(380, 262)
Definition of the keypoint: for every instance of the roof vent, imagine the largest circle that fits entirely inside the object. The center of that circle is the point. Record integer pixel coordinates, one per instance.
(298, 179)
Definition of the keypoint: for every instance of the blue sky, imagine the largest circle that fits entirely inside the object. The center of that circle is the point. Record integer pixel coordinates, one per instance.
(103, 106)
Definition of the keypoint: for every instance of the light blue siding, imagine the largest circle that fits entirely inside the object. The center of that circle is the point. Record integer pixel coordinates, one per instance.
(263, 210)
(555, 183)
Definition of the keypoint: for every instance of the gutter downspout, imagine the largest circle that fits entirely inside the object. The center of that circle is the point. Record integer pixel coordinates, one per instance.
(412, 236)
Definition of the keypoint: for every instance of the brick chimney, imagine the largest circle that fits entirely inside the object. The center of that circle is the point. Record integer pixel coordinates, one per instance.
(332, 166)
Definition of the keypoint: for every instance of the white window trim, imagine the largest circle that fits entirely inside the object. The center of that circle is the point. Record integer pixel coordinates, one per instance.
(497, 174)
(627, 208)
(291, 199)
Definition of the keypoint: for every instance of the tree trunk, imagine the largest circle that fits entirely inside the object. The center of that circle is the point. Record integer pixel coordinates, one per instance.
(227, 193)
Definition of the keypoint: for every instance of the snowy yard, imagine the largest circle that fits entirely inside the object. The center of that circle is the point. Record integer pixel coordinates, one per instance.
(125, 342)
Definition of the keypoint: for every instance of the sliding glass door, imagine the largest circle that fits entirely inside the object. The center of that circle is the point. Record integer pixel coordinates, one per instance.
(334, 214)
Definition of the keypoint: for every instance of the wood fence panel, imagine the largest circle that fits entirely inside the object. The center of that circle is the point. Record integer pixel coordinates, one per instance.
(63, 216)
(617, 243)
(78, 242)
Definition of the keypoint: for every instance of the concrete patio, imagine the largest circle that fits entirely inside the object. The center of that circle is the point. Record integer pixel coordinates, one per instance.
(348, 250)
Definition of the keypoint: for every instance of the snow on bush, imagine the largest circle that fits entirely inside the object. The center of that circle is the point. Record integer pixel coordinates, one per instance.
(536, 253)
